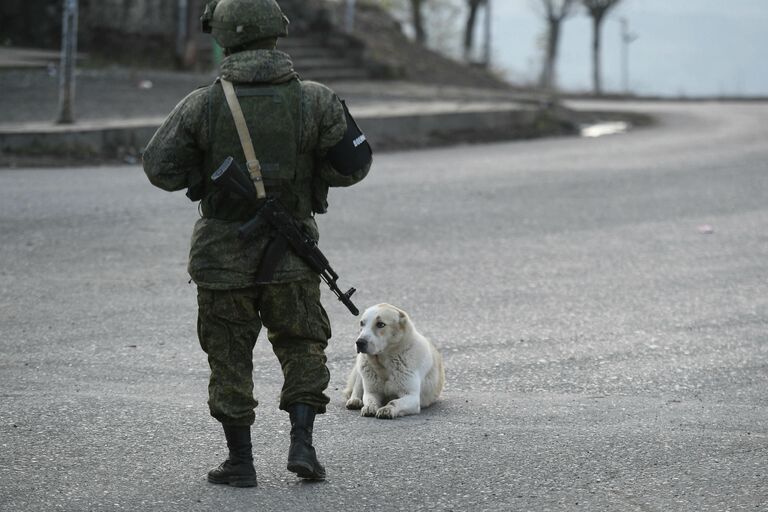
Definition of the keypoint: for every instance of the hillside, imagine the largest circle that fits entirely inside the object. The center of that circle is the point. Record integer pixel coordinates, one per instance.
(379, 45)
(387, 46)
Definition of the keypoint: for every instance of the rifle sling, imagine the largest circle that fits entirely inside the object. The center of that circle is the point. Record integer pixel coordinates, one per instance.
(254, 167)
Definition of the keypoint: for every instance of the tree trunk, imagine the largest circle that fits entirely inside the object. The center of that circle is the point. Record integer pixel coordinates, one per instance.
(597, 10)
(469, 31)
(418, 21)
(554, 14)
(548, 72)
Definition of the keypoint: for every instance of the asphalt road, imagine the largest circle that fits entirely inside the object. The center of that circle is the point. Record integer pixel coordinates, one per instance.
(601, 305)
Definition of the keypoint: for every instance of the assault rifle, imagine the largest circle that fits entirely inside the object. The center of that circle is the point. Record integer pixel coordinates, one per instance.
(230, 177)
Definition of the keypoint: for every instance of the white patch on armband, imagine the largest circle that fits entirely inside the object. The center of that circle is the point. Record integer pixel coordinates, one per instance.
(358, 140)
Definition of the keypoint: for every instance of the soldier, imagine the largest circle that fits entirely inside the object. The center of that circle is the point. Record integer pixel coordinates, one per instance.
(305, 141)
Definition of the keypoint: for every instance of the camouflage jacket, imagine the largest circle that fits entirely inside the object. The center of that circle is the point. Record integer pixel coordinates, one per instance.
(179, 156)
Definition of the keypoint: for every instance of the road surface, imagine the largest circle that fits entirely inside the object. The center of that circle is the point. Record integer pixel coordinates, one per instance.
(600, 303)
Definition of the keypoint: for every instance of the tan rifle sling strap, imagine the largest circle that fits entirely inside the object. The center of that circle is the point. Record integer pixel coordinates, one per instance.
(254, 167)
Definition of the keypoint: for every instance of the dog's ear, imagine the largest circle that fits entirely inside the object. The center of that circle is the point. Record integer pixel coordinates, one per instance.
(402, 317)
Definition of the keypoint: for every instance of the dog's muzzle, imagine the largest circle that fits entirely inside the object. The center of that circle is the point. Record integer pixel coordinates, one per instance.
(362, 346)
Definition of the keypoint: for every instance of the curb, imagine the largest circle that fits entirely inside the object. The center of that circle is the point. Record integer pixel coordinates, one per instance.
(83, 140)
(438, 125)
(409, 131)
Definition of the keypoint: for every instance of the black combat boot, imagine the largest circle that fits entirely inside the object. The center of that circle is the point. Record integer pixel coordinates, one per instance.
(302, 458)
(237, 470)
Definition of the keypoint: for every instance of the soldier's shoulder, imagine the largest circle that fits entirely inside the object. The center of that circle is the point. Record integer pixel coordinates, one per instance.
(199, 95)
(317, 91)
(196, 99)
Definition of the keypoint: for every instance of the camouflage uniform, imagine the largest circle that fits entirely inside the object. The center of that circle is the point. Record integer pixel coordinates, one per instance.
(184, 152)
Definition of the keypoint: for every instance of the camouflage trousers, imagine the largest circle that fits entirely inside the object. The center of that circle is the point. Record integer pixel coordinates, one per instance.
(229, 321)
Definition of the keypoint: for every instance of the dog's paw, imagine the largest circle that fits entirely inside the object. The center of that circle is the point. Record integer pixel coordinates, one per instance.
(369, 410)
(354, 403)
(388, 412)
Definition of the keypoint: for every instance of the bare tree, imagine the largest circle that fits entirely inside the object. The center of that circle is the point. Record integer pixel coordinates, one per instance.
(554, 12)
(417, 16)
(469, 29)
(597, 10)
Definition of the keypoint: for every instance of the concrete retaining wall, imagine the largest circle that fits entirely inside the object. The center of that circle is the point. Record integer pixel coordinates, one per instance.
(386, 132)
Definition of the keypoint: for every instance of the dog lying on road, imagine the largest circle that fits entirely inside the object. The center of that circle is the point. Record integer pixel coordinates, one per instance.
(398, 371)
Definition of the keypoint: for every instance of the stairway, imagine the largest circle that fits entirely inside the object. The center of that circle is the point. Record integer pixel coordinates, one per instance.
(314, 61)
(311, 59)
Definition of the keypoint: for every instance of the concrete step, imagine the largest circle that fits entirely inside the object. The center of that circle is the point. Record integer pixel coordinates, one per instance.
(300, 42)
(311, 59)
(308, 52)
(11, 57)
(332, 75)
(323, 63)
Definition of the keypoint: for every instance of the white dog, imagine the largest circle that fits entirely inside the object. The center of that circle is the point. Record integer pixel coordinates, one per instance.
(398, 371)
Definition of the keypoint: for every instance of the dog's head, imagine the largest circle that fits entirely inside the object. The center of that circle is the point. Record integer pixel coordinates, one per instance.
(381, 326)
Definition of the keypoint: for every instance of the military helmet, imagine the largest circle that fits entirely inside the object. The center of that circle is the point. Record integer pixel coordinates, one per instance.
(236, 22)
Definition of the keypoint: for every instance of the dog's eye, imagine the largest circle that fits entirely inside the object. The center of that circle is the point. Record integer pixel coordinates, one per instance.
(362, 323)
(380, 325)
